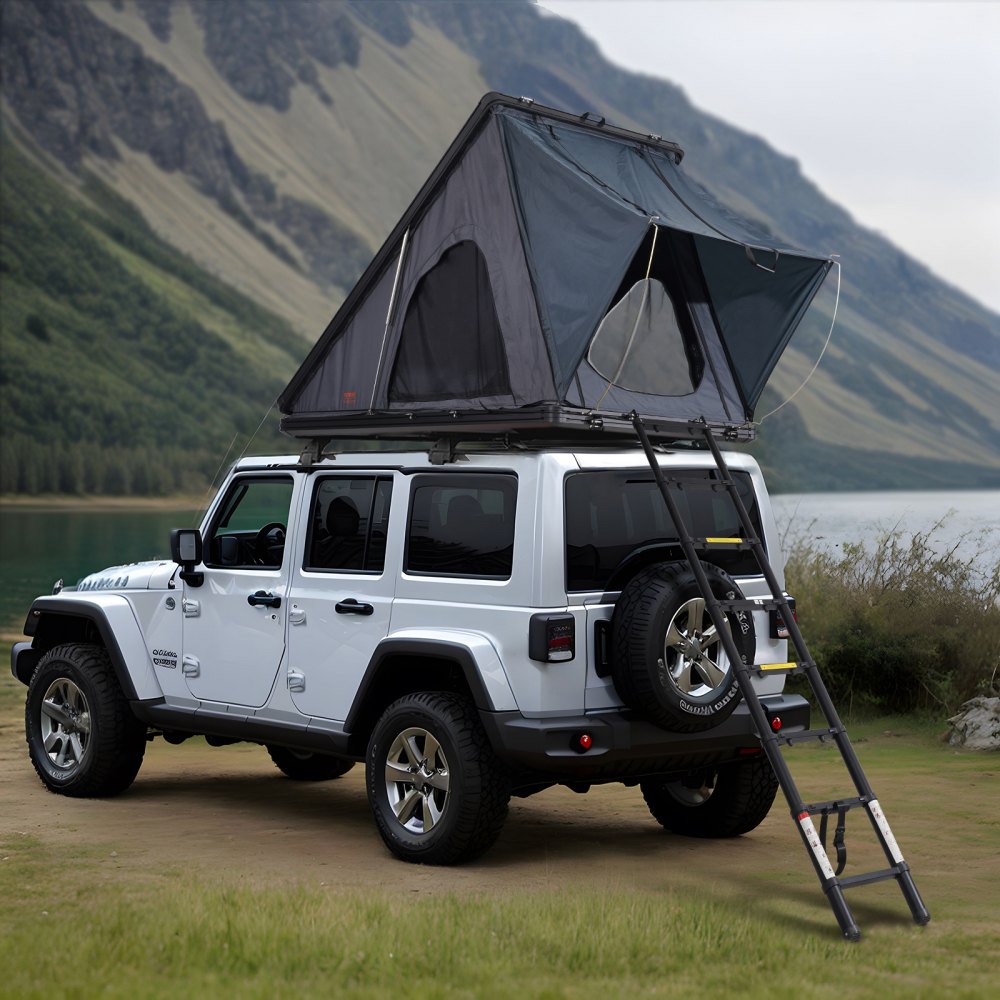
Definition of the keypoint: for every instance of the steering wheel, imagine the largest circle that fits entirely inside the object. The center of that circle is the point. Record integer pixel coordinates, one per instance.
(271, 536)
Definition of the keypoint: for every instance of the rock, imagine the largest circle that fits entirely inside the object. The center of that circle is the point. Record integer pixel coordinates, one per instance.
(977, 725)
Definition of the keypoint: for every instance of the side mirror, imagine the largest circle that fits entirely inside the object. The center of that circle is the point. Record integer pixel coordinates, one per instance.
(185, 550)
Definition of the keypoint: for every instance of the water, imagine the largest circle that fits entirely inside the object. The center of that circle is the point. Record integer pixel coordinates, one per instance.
(970, 520)
(40, 545)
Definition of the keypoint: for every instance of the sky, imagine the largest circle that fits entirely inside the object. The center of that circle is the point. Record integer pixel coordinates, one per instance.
(891, 106)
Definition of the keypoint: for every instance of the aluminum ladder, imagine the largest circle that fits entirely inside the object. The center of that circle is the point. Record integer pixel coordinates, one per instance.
(831, 880)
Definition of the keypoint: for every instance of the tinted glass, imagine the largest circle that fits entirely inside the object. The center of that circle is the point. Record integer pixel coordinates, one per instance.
(350, 517)
(609, 515)
(238, 538)
(462, 526)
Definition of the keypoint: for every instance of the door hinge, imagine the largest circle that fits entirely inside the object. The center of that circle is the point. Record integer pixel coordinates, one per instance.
(296, 616)
(296, 681)
(191, 609)
(190, 667)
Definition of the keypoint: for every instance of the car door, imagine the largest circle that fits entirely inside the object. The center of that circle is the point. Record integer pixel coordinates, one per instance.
(234, 623)
(341, 594)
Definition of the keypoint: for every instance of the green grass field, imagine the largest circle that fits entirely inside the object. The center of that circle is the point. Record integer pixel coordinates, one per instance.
(75, 924)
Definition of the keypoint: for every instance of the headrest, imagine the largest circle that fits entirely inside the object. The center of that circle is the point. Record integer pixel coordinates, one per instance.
(342, 517)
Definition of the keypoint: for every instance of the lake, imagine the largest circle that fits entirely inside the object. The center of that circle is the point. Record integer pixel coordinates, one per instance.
(40, 545)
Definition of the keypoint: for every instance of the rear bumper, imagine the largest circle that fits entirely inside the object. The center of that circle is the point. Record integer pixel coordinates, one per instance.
(623, 745)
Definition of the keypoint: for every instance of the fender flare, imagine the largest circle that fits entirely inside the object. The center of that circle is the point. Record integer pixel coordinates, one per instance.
(487, 682)
(115, 622)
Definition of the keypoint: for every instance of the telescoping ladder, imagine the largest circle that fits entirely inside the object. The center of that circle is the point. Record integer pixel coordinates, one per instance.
(831, 880)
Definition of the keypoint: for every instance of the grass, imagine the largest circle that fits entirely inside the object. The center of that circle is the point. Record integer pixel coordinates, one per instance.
(161, 937)
(907, 623)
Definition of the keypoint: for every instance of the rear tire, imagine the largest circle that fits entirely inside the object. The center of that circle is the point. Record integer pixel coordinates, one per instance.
(437, 792)
(82, 737)
(716, 802)
(302, 765)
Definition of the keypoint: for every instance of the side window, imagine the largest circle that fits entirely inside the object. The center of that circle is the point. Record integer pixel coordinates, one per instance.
(462, 526)
(249, 530)
(349, 521)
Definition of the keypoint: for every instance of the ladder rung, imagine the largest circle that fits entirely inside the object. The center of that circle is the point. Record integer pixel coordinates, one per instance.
(761, 604)
(775, 668)
(865, 878)
(816, 808)
(808, 734)
(731, 544)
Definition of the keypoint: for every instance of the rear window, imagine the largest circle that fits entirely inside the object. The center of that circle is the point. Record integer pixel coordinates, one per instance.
(611, 514)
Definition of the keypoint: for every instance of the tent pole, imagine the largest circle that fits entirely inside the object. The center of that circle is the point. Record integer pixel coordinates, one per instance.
(388, 317)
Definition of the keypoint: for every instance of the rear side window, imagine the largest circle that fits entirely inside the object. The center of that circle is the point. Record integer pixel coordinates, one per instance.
(348, 525)
(609, 515)
(462, 526)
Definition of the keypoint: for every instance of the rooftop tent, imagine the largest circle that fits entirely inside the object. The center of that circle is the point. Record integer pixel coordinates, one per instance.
(553, 275)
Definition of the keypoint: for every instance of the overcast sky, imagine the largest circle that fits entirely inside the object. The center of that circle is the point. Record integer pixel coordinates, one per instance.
(891, 106)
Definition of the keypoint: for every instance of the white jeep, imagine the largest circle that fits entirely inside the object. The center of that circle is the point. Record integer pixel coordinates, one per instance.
(473, 625)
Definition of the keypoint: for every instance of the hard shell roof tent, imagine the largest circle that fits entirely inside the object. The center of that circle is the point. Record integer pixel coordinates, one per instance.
(553, 275)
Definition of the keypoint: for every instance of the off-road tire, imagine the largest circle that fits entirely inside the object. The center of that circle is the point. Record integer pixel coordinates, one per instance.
(473, 808)
(301, 765)
(113, 740)
(740, 796)
(640, 654)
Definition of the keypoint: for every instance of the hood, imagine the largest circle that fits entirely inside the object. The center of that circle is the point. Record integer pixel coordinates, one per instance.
(132, 576)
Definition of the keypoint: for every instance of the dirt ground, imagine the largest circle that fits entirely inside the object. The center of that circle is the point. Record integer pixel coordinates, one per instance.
(227, 814)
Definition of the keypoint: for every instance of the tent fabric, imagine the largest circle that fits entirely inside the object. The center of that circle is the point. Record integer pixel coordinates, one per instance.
(450, 342)
(487, 296)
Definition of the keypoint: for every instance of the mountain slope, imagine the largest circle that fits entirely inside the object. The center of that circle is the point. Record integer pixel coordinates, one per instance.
(276, 144)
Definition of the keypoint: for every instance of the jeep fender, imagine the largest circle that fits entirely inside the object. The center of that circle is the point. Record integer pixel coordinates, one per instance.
(471, 652)
(55, 620)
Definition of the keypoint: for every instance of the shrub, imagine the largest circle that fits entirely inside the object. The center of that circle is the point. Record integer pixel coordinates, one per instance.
(906, 624)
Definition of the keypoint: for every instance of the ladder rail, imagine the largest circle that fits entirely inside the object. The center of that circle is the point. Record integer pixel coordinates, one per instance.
(832, 885)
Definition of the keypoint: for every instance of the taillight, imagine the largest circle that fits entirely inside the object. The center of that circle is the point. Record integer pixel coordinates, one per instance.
(552, 638)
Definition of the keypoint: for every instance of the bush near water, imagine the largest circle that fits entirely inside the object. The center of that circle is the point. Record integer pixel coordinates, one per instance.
(907, 624)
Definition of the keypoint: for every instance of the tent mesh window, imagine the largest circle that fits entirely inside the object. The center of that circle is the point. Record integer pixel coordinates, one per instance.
(647, 341)
(451, 346)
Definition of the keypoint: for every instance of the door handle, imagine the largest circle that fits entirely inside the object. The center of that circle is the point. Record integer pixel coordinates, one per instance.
(349, 606)
(262, 598)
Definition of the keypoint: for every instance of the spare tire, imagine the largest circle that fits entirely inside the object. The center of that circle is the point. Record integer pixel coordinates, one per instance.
(668, 662)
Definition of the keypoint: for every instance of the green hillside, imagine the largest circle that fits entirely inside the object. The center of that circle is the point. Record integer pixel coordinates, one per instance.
(126, 368)
(195, 184)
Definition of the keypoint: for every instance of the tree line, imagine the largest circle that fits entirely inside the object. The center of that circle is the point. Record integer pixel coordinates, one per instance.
(31, 468)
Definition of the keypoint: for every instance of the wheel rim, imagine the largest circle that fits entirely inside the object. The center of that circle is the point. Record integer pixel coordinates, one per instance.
(693, 653)
(417, 780)
(65, 724)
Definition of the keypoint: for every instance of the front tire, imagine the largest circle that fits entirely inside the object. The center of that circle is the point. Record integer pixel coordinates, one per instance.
(726, 801)
(437, 792)
(302, 765)
(83, 739)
